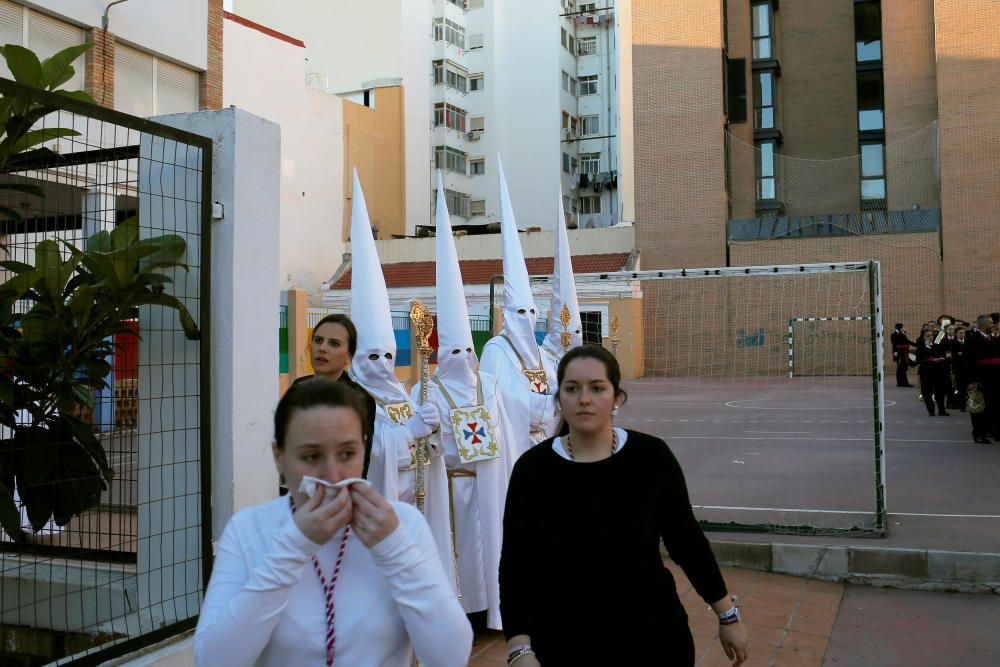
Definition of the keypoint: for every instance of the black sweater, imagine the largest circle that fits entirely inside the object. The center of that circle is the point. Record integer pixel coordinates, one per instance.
(580, 568)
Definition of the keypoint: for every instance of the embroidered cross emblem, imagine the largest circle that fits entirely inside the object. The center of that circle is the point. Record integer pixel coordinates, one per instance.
(474, 432)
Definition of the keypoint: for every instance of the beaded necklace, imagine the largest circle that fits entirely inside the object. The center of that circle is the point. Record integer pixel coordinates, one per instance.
(328, 586)
(569, 447)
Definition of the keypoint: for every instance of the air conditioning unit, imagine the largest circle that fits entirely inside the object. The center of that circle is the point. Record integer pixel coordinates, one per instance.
(568, 134)
(473, 135)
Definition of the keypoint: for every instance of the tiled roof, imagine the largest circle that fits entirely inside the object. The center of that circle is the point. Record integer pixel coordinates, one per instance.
(479, 271)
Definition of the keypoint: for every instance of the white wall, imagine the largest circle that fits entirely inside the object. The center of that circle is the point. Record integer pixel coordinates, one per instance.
(526, 104)
(176, 30)
(264, 75)
(414, 37)
(347, 43)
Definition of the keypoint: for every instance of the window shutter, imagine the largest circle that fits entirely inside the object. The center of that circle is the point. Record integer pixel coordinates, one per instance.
(176, 88)
(11, 30)
(48, 36)
(133, 81)
(476, 41)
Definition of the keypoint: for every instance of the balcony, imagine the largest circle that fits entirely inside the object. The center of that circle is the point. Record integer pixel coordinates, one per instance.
(921, 220)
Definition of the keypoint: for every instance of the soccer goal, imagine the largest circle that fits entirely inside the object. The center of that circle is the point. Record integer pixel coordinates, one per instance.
(765, 381)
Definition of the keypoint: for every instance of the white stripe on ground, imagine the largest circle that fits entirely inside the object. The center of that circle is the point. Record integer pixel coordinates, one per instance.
(805, 511)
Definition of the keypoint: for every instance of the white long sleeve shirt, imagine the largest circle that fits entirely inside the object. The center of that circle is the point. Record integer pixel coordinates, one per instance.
(265, 605)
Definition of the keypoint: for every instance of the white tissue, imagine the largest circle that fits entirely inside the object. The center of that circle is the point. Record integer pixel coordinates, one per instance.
(308, 486)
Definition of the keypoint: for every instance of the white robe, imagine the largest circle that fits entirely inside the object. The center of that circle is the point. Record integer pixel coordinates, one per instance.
(479, 500)
(390, 471)
(532, 416)
(265, 605)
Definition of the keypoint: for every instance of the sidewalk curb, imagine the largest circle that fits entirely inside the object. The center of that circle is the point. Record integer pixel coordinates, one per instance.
(920, 569)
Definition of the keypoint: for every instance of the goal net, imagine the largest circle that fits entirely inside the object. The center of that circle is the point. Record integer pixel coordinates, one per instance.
(765, 381)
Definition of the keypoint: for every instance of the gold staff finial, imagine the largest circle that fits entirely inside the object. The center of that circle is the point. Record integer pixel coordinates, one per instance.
(564, 318)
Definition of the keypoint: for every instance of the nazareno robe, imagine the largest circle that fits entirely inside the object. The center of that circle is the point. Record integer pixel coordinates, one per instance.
(479, 500)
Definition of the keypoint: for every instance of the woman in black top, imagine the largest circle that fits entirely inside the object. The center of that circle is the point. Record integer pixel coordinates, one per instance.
(331, 349)
(581, 577)
(935, 383)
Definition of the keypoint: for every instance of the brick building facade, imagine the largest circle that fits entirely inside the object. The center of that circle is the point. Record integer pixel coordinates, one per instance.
(868, 130)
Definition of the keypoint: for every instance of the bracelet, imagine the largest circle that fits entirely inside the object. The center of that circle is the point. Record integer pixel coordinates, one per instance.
(731, 615)
(514, 657)
(518, 648)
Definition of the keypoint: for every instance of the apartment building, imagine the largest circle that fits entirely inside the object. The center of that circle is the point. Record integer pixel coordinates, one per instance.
(543, 83)
(824, 130)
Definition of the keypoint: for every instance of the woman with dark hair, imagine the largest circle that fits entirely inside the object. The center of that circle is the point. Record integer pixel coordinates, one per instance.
(340, 575)
(334, 341)
(581, 576)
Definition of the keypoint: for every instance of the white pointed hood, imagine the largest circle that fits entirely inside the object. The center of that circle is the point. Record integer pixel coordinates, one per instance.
(563, 293)
(370, 309)
(519, 327)
(456, 371)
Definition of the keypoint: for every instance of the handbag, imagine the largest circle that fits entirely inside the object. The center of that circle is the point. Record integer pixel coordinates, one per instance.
(975, 404)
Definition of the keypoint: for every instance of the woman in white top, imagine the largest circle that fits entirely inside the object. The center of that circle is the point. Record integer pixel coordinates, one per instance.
(355, 580)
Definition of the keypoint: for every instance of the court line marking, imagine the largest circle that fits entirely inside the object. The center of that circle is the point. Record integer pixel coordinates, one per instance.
(783, 432)
(806, 511)
(729, 404)
(728, 437)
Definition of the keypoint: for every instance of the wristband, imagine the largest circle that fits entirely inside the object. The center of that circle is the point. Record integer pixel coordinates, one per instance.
(517, 649)
(731, 615)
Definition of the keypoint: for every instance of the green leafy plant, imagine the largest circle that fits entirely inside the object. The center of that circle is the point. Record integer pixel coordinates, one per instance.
(19, 116)
(58, 319)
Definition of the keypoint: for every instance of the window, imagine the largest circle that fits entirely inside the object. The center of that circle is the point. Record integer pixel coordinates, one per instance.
(868, 31)
(586, 46)
(450, 116)
(562, 37)
(766, 182)
(761, 27)
(451, 75)
(566, 83)
(458, 202)
(146, 85)
(572, 44)
(588, 7)
(477, 123)
(457, 81)
(449, 159)
(872, 171)
(588, 85)
(565, 120)
(477, 167)
(870, 115)
(477, 207)
(763, 101)
(591, 327)
(590, 125)
(458, 3)
(569, 163)
(45, 35)
(590, 163)
(476, 83)
(449, 31)
(590, 205)
(475, 4)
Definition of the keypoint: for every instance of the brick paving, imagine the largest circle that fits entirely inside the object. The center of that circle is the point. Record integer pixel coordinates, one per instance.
(790, 621)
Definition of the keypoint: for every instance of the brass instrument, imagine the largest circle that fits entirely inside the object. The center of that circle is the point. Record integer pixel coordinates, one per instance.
(614, 335)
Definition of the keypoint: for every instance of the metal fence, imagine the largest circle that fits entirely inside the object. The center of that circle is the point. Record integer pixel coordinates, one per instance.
(130, 569)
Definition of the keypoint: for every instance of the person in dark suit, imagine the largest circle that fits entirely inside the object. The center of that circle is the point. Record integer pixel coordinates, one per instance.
(934, 386)
(334, 341)
(982, 369)
(901, 354)
(949, 346)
